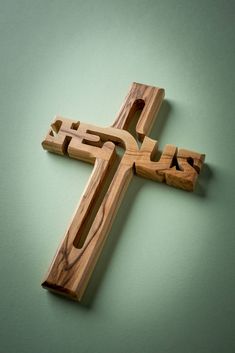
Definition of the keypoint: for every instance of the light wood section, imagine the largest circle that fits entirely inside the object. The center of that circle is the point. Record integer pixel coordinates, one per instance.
(72, 267)
(176, 167)
(140, 97)
(84, 239)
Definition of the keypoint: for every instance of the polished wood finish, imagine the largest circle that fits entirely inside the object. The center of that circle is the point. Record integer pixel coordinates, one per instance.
(78, 253)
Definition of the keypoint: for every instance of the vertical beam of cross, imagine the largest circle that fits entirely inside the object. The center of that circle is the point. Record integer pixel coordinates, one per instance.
(84, 239)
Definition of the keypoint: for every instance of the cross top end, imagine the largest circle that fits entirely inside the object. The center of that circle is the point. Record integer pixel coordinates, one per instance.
(75, 260)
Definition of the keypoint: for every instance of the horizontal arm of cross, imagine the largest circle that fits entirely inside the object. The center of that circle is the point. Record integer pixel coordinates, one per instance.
(176, 167)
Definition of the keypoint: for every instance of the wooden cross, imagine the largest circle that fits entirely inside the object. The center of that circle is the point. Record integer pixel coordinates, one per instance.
(76, 257)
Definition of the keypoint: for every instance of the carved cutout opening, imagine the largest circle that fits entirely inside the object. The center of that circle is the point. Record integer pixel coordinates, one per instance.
(175, 163)
(82, 234)
(75, 126)
(134, 116)
(66, 143)
(55, 128)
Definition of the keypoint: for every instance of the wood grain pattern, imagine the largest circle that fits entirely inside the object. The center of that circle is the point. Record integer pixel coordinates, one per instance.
(78, 253)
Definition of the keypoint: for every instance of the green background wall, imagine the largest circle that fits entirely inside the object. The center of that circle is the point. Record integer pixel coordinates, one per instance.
(165, 282)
